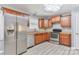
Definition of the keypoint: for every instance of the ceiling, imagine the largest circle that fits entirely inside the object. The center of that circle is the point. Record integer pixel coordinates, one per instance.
(38, 9)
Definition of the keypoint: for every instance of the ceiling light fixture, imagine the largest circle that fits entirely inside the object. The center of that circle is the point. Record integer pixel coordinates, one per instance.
(52, 7)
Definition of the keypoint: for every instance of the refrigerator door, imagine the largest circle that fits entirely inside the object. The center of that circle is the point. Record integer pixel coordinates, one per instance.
(21, 34)
(10, 34)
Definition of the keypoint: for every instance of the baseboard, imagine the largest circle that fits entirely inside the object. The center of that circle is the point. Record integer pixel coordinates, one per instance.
(74, 48)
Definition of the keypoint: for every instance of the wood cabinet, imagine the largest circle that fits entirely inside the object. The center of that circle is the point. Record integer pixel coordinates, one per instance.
(48, 35)
(41, 37)
(41, 23)
(65, 39)
(50, 23)
(37, 39)
(11, 11)
(55, 19)
(66, 21)
(45, 23)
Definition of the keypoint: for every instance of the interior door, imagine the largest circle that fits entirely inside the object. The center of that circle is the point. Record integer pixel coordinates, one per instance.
(10, 34)
(21, 34)
(75, 29)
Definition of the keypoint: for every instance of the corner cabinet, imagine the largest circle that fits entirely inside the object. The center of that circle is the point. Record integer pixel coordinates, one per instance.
(66, 21)
(42, 37)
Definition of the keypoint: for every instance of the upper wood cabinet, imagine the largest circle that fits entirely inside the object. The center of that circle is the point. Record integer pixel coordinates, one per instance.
(66, 21)
(11, 11)
(50, 23)
(45, 23)
(41, 23)
(55, 19)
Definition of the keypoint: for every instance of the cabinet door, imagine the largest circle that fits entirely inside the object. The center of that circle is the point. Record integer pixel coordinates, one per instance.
(50, 23)
(41, 38)
(46, 23)
(55, 19)
(44, 37)
(65, 39)
(60, 39)
(41, 23)
(48, 36)
(37, 39)
(66, 21)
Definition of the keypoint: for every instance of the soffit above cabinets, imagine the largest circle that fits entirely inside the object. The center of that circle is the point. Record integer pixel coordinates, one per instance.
(38, 9)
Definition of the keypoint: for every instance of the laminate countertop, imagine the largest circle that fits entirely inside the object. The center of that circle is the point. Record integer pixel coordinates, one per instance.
(39, 32)
(65, 32)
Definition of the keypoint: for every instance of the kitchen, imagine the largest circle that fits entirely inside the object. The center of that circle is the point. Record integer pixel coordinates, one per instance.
(38, 29)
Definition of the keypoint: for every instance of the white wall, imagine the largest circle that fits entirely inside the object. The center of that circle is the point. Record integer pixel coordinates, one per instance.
(33, 22)
(1, 32)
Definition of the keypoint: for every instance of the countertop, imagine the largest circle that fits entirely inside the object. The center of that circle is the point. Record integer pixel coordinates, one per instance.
(65, 32)
(39, 32)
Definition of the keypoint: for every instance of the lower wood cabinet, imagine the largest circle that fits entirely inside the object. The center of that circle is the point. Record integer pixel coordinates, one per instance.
(37, 38)
(65, 39)
(41, 37)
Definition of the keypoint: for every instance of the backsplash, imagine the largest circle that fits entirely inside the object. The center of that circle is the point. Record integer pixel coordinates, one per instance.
(58, 26)
(66, 29)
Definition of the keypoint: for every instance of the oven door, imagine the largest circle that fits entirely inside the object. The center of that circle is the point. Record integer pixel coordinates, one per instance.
(55, 36)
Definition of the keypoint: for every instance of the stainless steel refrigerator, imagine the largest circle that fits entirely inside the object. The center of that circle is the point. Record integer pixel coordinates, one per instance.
(15, 34)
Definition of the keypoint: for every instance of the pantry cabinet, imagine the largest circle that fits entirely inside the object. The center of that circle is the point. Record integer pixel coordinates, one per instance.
(66, 21)
(65, 39)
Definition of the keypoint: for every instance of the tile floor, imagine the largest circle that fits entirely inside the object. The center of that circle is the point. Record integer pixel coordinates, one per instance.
(47, 48)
